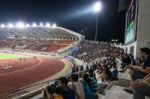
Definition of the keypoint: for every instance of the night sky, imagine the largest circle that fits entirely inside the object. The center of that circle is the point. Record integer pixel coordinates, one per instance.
(71, 14)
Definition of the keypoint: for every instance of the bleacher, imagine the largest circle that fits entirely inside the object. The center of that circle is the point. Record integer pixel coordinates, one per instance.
(48, 39)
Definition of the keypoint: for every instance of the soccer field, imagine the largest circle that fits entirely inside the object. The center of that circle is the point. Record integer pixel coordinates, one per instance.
(4, 56)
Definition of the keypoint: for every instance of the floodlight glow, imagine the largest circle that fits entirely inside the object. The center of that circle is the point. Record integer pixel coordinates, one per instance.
(10, 25)
(20, 25)
(27, 25)
(41, 24)
(54, 25)
(97, 7)
(2, 25)
(48, 25)
(34, 24)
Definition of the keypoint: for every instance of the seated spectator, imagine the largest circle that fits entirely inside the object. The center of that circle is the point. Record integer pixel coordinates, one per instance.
(94, 84)
(107, 72)
(133, 62)
(73, 69)
(48, 91)
(125, 61)
(87, 68)
(114, 72)
(141, 88)
(68, 93)
(58, 94)
(87, 87)
(140, 72)
(77, 87)
(103, 77)
(98, 76)
(81, 68)
(80, 75)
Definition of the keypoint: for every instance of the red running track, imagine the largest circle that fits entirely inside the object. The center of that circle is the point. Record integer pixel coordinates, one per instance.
(46, 67)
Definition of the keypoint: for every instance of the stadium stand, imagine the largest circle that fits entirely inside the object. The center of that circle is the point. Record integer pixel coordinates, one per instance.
(105, 72)
(36, 38)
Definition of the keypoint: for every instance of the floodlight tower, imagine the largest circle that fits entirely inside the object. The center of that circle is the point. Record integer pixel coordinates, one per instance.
(97, 7)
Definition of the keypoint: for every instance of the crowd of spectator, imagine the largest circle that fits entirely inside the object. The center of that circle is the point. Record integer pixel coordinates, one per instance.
(90, 50)
(35, 45)
(90, 81)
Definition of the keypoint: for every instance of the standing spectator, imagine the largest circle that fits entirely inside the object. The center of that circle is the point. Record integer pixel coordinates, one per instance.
(87, 87)
(77, 87)
(94, 84)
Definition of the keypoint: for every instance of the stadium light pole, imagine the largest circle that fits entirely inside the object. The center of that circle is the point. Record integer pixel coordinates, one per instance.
(97, 7)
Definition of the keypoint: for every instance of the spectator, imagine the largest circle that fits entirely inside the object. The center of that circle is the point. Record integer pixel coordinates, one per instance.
(125, 61)
(108, 72)
(68, 93)
(114, 72)
(73, 69)
(94, 84)
(87, 87)
(81, 68)
(87, 68)
(77, 87)
(141, 88)
(140, 72)
(133, 62)
(103, 77)
(48, 91)
(58, 94)
(80, 75)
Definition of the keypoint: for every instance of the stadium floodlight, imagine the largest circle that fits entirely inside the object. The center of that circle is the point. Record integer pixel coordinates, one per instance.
(97, 7)
(2, 25)
(48, 25)
(41, 24)
(34, 24)
(54, 25)
(20, 25)
(10, 25)
(27, 25)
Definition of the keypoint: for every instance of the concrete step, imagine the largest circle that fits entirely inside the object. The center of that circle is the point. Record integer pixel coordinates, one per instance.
(37, 96)
(117, 92)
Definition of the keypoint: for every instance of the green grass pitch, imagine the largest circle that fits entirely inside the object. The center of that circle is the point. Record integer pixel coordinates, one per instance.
(4, 56)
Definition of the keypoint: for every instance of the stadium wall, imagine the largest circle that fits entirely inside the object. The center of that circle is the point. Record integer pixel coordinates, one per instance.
(143, 29)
